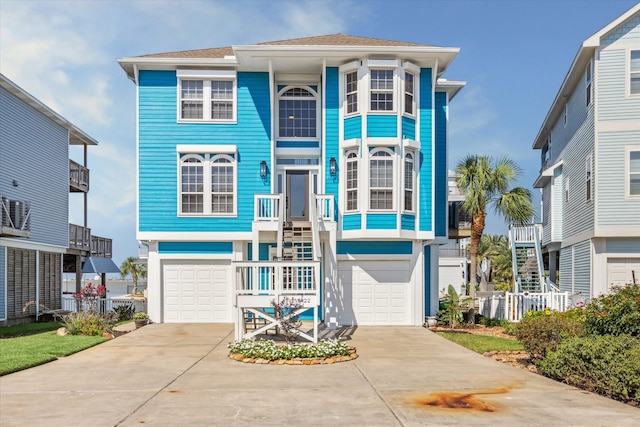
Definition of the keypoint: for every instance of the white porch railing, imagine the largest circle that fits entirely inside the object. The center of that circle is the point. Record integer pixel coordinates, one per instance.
(513, 307)
(267, 207)
(102, 305)
(525, 233)
(324, 207)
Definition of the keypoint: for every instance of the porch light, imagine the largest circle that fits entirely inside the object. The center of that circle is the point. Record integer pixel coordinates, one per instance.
(332, 166)
(263, 169)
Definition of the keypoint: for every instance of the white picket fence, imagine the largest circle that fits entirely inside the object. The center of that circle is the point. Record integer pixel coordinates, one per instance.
(102, 305)
(513, 307)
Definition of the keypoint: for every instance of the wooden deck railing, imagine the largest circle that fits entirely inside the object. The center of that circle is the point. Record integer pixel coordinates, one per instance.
(101, 247)
(79, 237)
(78, 177)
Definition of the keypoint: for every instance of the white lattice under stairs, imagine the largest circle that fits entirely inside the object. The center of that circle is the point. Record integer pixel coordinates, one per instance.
(297, 241)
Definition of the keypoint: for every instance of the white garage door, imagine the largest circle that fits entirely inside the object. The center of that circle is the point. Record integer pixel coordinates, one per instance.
(375, 292)
(621, 271)
(197, 291)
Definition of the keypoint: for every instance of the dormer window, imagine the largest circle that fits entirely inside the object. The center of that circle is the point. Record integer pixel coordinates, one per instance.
(408, 93)
(634, 72)
(351, 83)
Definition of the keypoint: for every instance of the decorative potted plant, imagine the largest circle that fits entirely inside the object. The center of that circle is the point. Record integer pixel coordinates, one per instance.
(140, 318)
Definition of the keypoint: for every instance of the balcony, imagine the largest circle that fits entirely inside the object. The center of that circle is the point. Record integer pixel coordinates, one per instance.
(78, 178)
(14, 218)
(101, 247)
(79, 238)
(459, 222)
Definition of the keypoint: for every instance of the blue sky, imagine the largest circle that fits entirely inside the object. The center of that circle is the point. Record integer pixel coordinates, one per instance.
(514, 56)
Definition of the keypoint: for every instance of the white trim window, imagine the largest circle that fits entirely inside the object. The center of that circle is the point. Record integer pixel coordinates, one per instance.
(351, 183)
(634, 72)
(297, 113)
(199, 172)
(409, 93)
(381, 85)
(634, 172)
(409, 181)
(588, 179)
(381, 179)
(589, 84)
(351, 90)
(202, 100)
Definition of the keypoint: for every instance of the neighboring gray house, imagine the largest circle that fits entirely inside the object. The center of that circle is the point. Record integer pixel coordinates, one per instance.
(37, 243)
(590, 155)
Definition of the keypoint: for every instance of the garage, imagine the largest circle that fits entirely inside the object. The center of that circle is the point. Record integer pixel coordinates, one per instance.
(197, 291)
(621, 271)
(375, 292)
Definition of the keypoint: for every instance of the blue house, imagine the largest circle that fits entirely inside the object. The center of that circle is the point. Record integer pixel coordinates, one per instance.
(38, 182)
(314, 168)
(589, 146)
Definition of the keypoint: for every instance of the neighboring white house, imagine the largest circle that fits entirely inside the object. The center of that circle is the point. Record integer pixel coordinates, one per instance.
(590, 157)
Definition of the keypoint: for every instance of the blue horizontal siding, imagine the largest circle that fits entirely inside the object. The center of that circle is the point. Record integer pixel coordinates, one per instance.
(440, 164)
(298, 144)
(425, 199)
(382, 126)
(353, 127)
(408, 128)
(382, 221)
(332, 132)
(393, 247)
(352, 222)
(195, 247)
(159, 133)
(408, 222)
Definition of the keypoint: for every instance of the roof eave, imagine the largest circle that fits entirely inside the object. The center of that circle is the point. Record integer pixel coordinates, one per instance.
(452, 87)
(128, 64)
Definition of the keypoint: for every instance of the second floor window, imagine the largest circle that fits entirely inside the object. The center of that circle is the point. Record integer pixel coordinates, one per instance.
(207, 100)
(207, 184)
(297, 114)
(589, 84)
(381, 180)
(408, 93)
(352, 92)
(381, 90)
(634, 173)
(587, 168)
(634, 73)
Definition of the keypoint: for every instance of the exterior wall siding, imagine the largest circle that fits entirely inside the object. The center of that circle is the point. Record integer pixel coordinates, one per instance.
(582, 268)
(408, 222)
(408, 128)
(425, 199)
(353, 127)
(332, 133)
(195, 247)
(566, 269)
(395, 247)
(382, 221)
(614, 209)
(43, 179)
(546, 213)
(379, 126)
(622, 245)
(613, 102)
(627, 33)
(440, 165)
(352, 222)
(557, 204)
(159, 133)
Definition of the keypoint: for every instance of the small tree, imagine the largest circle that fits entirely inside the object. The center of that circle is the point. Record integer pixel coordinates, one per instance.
(137, 271)
(284, 310)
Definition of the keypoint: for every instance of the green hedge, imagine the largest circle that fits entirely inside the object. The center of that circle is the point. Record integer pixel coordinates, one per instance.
(608, 365)
(543, 331)
(616, 313)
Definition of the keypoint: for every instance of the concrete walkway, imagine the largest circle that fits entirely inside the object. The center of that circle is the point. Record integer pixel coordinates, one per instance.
(179, 374)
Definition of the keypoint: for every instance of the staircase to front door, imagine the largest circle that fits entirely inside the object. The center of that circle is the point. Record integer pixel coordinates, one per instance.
(297, 241)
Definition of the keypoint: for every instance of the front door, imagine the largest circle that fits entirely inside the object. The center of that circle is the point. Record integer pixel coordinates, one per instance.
(297, 196)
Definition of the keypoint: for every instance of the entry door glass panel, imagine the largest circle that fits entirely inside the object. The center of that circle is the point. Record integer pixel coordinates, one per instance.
(297, 195)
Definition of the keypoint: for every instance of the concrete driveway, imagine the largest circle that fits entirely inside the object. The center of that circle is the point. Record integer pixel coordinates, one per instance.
(179, 374)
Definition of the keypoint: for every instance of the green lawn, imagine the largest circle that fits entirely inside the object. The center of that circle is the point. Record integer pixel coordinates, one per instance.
(28, 329)
(22, 352)
(482, 343)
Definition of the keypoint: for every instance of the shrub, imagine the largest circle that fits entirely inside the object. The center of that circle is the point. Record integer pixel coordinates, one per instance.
(267, 349)
(608, 365)
(616, 313)
(542, 331)
(140, 315)
(88, 323)
(124, 312)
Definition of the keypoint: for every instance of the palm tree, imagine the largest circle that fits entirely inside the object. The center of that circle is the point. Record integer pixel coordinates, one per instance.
(486, 182)
(137, 271)
(496, 248)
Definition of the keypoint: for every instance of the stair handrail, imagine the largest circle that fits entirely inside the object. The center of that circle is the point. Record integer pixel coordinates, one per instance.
(315, 233)
(514, 260)
(280, 226)
(539, 261)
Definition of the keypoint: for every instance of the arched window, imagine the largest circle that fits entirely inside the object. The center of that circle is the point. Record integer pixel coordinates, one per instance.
(217, 173)
(381, 180)
(351, 183)
(297, 114)
(408, 181)
(192, 184)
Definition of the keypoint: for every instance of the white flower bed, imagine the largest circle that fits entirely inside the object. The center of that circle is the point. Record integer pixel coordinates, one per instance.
(268, 350)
